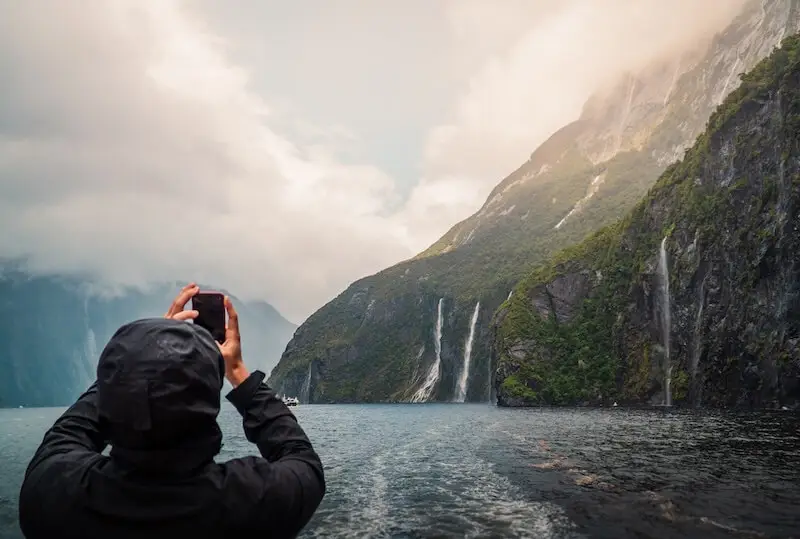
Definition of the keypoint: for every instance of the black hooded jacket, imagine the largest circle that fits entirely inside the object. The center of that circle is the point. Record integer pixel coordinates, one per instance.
(155, 402)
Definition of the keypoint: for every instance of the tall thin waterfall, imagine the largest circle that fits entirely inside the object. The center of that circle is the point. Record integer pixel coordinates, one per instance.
(461, 390)
(91, 345)
(666, 322)
(698, 341)
(305, 392)
(90, 351)
(424, 392)
(698, 346)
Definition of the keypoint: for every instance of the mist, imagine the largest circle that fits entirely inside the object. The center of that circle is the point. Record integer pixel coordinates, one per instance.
(150, 140)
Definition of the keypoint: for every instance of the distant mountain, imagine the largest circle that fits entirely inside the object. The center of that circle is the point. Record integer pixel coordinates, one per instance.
(379, 339)
(53, 328)
(694, 297)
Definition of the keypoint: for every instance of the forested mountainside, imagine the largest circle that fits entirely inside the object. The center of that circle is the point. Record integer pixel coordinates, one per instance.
(694, 297)
(407, 333)
(52, 330)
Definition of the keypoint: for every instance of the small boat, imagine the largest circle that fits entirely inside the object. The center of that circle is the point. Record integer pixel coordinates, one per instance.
(290, 401)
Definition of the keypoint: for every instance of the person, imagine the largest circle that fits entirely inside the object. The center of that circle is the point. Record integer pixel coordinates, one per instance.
(155, 402)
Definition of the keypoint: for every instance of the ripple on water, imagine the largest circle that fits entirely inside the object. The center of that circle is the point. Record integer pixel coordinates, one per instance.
(418, 484)
(406, 471)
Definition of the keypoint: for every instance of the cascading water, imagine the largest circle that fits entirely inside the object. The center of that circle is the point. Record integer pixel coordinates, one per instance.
(305, 392)
(91, 345)
(672, 84)
(489, 398)
(424, 392)
(625, 114)
(461, 389)
(698, 346)
(698, 338)
(666, 321)
(90, 351)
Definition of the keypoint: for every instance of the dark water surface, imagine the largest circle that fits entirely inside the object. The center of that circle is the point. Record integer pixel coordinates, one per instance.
(478, 471)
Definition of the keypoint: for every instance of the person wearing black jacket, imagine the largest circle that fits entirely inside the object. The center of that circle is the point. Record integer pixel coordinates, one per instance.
(155, 402)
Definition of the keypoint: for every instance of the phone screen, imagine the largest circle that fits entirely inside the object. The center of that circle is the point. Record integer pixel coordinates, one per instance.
(211, 309)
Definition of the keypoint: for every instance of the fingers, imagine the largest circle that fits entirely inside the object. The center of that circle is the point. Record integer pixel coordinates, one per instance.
(186, 293)
(185, 315)
(232, 331)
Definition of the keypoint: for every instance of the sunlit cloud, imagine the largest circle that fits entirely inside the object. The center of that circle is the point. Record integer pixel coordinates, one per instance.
(136, 145)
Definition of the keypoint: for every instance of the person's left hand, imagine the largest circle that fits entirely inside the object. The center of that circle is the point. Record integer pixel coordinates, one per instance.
(176, 311)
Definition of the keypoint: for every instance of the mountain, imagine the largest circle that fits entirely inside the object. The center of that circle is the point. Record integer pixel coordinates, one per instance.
(379, 339)
(692, 298)
(53, 328)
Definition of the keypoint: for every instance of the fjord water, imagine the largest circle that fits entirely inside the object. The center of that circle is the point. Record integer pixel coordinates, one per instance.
(453, 470)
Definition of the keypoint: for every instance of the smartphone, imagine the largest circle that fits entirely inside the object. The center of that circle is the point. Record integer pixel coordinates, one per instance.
(211, 309)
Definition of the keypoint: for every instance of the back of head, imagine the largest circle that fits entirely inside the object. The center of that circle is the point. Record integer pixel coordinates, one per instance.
(158, 385)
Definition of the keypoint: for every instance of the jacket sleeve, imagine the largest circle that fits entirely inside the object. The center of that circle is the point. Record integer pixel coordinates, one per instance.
(77, 430)
(72, 441)
(293, 479)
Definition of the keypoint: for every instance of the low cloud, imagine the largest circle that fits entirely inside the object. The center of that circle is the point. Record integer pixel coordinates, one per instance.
(132, 147)
(547, 59)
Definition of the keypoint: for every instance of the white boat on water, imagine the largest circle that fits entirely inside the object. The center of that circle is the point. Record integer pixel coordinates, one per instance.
(290, 401)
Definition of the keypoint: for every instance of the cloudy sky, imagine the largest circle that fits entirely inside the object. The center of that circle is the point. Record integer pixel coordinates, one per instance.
(285, 149)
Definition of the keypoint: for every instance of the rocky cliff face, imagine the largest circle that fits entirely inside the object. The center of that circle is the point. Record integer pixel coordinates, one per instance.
(376, 341)
(52, 330)
(694, 297)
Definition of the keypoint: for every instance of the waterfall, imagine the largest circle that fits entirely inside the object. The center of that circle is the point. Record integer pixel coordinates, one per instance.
(424, 392)
(698, 345)
(305, 392)
(625, 114)
(461, 390)
(489, 380)
(697, 337)
(723, 93)
(91, 346)
(672, 84)
(593, 188)
(511, 293)
(87, 369)
(666, 322)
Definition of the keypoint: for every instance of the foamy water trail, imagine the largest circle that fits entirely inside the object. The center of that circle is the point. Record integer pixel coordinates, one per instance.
(411, 487)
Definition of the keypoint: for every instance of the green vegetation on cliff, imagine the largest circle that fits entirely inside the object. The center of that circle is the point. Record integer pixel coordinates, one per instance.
(375, 341)
(585, 326)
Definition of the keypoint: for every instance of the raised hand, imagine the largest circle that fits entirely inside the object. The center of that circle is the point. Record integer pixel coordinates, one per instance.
(176, 311)
(231, 349)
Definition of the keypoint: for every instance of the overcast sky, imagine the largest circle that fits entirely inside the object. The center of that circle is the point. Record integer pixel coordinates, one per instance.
(284, 149)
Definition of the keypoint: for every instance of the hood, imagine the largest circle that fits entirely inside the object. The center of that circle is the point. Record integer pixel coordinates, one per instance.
(158, 388)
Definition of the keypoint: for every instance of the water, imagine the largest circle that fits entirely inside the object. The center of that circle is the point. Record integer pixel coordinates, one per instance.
(444, 470)
(424, 392)
(666, 320)
(697, 346)
(305, 392)
(461, 394)
(594, 187)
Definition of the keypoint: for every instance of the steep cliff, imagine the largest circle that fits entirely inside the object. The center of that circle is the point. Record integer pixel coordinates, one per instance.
(694, 297)
(52, 330)
(377, 340)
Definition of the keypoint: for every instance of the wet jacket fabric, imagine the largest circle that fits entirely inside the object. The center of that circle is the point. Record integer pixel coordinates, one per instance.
(155, 402)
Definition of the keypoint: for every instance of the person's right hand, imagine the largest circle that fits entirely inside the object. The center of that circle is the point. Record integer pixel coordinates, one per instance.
(231, 349)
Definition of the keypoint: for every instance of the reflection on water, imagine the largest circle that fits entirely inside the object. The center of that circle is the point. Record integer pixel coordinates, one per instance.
(478, 471)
